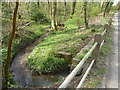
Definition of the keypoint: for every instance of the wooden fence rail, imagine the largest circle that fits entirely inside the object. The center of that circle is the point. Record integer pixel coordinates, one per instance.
(99, 40)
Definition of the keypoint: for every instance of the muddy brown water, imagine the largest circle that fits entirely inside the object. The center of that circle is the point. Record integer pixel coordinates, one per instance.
(24, 77)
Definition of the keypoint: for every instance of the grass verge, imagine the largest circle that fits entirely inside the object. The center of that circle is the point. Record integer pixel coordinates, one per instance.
(96, 74)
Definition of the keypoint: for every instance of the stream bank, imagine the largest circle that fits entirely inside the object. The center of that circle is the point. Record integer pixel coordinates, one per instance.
(25, 77)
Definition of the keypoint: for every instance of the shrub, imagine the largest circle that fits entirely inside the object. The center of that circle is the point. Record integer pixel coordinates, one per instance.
(36, 15)
(84, 36)
(4, 55)
(93, 30)
(70, 23)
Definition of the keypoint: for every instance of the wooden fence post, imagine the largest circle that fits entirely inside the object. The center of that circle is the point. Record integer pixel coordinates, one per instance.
(106, 26)
(95, 53)
(104, 36)
(110, 22)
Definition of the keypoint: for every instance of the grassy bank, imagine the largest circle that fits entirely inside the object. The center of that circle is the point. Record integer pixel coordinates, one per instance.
(68, 40)
(22, 38)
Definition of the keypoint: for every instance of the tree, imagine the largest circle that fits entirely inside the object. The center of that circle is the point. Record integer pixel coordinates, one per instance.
(53, 16)
(101, 5)
(49, 9)
(38, 3)
(85, 14)
(8, 60)
(73, 7)
(64, 7)
(110, 5)
(107, 8)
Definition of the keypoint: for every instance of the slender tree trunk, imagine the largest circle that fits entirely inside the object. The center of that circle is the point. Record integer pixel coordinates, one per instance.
(73, 7)
(9, 5)
(101, 5)
(85, 14)
(64, 7)
(109, 8)
(53, 16)
(106, 7)
(49, 9)
(8, 60)
(38, 3)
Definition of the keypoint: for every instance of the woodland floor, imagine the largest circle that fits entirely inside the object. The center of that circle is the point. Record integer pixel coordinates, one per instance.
(21, 74)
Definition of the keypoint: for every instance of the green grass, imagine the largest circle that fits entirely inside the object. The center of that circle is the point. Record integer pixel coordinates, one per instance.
(71, 23)
(50, 64)
(84, 52)
(93, 84)
(22, 38)
(106, 47)
(66, 40)
(95, 77)
(105, 20)
(100, 71)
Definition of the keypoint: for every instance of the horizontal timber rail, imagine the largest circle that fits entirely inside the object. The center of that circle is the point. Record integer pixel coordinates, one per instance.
(99, 40)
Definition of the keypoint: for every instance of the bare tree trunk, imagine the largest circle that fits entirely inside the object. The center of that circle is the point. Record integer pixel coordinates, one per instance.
(64, 7)
(53, 16)
(73, 7)
(8, 60)
(101, 5)
(38, 3)
(85, 14)
(106, 7)
(49, 9)
(109, 8)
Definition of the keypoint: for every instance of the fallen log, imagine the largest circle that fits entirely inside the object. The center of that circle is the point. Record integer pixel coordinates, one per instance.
(67, 56)
(24, 26)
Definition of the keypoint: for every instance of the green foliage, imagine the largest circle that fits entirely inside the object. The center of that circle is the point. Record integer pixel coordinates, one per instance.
(66, 40)
(73, 50)
(93, 84)
(7, 12)
(11, 83)
(100, 71)
(47, 64)
(82, 55)
(30, 34)
(42, 59)
(93, 9)
(96, 28)
(105, 20)
(104, 50)
(70, 23)
(4, 55)
(36, 15)
(84, 36)
(93, 30)
(106, 47)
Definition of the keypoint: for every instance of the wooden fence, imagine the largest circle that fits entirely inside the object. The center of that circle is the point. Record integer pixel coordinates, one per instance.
(99, 40)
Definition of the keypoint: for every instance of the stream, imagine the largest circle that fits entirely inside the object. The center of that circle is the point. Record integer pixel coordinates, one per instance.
(25, 77)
